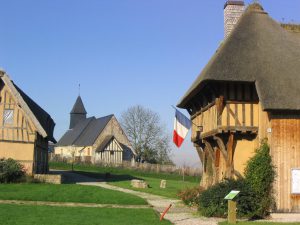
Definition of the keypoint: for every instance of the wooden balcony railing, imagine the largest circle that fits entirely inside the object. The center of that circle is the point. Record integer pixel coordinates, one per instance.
(233, 117)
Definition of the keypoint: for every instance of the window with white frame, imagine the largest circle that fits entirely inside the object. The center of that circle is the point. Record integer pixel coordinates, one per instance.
(8, 117)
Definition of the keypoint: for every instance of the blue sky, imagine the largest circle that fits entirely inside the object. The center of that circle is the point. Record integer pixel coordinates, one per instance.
(122, 52)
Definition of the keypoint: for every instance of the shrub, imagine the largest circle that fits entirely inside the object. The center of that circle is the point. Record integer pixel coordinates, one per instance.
(10, 171)
(256, 197)
(30, 180)
(190, 196)
(212, 203)
(260, 174)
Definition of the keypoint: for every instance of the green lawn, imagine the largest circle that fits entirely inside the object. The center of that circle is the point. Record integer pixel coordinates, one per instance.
(47, 215)
(259, 223)
(121, 177)
(173, 186)
(122, 171)
(66, 193)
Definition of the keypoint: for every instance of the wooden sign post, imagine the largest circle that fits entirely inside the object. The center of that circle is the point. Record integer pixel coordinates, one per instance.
(231, 206)
(231, 212)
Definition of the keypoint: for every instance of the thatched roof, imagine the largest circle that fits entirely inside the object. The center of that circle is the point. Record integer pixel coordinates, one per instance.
(258, 50)
(291, 27)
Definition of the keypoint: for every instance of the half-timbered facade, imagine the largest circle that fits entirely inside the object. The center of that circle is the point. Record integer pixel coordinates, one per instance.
(110, 151)
(25, 128)
(96, 140)
(247, 92)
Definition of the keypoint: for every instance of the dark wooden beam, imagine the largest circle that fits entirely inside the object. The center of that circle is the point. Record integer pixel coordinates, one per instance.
(234, 114)
(221, 146)
(238, 174)
(202, 110)
(210, 150)
(200, 154)
(244, 115)
(230, 152)
(251, 115)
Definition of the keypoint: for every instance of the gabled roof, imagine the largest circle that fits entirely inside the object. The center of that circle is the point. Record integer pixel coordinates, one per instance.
(258, 50)
(78, 107)
(85, 132)
(40, 118)
(106, 141)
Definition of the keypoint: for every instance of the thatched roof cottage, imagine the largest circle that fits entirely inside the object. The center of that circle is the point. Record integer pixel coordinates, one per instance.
(248, 91)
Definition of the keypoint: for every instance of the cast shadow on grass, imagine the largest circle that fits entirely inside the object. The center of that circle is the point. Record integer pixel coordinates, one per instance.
(73, 177)
(108, 177)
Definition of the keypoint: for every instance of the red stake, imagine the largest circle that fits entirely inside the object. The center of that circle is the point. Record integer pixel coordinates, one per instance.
(165, 212)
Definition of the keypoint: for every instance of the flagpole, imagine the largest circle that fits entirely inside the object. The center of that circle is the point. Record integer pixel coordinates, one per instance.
(190, 119)
(174, 107)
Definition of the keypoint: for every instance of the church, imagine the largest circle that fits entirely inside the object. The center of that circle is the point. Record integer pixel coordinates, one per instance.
(96, 140)
(249, 91)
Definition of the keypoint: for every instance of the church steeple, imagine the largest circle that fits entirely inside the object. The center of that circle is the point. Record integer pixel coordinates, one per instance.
(78, 113)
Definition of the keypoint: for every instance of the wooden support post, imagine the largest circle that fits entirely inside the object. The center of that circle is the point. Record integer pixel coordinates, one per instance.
(211, 153)
(210, 150)
(200, 154)
(227, 152)
(230, 152)
(221, 147)
(231, 212)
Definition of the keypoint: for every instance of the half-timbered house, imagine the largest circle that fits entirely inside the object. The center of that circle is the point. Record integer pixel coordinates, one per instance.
(25, 128)
(249, 91)
(96, 140)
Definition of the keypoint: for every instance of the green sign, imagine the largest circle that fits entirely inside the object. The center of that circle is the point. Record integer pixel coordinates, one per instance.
(232, 195)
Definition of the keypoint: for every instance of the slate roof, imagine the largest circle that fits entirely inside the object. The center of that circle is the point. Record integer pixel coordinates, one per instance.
(105, 142)
(85, 132)
(39, 117)
(42, 116)
(78, 107)
(258, 50)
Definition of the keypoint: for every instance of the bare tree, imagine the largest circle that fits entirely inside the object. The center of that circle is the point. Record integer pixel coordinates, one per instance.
(147, 134)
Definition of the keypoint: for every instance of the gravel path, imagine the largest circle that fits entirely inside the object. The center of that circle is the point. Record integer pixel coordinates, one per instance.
(283, 218)
(179, 214)
(74, 204)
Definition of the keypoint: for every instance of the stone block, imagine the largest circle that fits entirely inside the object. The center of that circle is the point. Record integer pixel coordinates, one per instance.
(139, 184)
(49, 178)
(163, 184)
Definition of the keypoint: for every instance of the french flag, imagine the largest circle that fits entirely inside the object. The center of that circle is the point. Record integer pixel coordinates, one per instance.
(181, 128)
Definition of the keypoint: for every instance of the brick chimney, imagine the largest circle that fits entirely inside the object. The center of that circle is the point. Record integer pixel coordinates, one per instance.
(232, 13)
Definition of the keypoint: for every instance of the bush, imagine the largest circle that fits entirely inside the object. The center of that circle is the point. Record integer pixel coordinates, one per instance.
(10, 171)
(256, 197)
(212, 203)
(190, 196)
(30, 180)
(260, 174)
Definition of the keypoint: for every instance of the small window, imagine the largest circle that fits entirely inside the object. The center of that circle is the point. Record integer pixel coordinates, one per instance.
(112, 153)
(8, 117)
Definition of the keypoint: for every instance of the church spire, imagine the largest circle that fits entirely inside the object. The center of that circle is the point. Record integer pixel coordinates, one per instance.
(78, 112)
